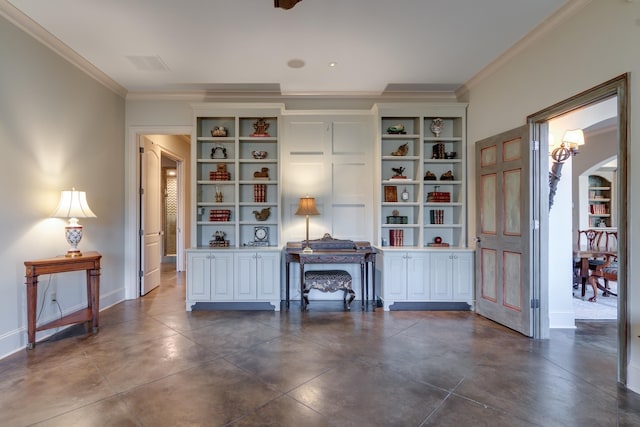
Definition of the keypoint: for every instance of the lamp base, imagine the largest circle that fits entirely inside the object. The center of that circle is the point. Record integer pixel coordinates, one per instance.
(72, 254)
(73, 233)
(307, 250)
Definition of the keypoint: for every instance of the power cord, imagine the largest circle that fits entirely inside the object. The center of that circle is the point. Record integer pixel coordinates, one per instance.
(44, 299)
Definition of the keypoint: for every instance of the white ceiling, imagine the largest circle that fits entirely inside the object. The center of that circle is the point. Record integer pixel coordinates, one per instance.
(244, 45)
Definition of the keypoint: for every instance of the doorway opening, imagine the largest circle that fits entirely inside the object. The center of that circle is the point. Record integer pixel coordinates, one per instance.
(616, 89)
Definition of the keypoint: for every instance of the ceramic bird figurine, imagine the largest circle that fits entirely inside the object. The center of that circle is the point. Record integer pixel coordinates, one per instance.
(263, 214)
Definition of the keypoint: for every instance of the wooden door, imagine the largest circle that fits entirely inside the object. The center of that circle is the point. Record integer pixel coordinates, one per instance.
(151, 211)
(504, 183)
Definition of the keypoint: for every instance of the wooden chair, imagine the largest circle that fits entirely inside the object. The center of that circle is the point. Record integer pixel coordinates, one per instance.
(607, 271)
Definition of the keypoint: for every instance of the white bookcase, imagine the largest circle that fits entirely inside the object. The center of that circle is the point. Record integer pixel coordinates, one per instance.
(422, 199)
(236, 199)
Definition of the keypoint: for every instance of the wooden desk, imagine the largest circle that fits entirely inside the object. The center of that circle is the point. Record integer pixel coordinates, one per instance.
(90, 262)
(334, 256)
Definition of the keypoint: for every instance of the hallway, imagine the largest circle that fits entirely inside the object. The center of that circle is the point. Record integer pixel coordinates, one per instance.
(153, 364)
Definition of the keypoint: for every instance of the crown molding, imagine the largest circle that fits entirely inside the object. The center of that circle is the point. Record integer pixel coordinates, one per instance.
(29, 26)
(569, 9)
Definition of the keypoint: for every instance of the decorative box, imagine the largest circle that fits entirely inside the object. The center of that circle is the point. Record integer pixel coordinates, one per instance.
(396, 219)
(439, 197)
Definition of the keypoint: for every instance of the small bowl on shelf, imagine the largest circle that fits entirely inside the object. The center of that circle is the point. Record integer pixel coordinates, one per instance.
(259, 155)
(450, 155)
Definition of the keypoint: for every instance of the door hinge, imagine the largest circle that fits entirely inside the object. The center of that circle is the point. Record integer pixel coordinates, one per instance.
(141, 232)
(535, 303)
(141, 274)
(535, 146)
(536, 224)
(141, 191)
(141, 150)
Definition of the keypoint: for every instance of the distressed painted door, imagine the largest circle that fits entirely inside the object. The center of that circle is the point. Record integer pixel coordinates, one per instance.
(504, 182)
(151, 210)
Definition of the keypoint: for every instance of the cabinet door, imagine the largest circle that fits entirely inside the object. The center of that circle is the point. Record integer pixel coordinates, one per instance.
(394, 281)
(417, 277)
(441, 271)
(462, 276)
(268, 275)
(245, 269)
(222, 276)
(198, 276)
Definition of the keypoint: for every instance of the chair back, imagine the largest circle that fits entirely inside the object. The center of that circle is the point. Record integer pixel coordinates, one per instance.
(611, 240)
(591, 239)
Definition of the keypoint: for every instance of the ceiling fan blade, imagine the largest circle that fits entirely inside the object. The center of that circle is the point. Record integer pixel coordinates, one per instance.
(285, 4)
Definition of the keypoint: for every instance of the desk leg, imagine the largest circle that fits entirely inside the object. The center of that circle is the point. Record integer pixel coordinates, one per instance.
(93, 297)
(303, 306)
(584, 272)
(373, 284)
(32, 298)
(286, 291)
(362, 291)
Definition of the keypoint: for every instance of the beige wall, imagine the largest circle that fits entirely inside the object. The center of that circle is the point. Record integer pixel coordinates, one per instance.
(601, 40)
(59, 129)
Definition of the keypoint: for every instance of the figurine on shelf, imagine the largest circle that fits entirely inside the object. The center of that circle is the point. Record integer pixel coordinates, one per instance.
(447, 176)
(396, 129)
(398, 173)
(402, 150)
(436, 126)
(263, 214)
(219, 131)
(261, 174)
(214, 152)
(429, 176)
(260, 127)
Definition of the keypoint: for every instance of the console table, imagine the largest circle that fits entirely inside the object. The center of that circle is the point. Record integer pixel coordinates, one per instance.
(334, 252)
(90, 262)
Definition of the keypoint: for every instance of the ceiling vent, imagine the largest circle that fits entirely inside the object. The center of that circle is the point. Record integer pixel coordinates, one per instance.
(148, 63)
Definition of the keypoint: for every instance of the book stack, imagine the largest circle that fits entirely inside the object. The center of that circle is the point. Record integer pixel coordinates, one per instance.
(436, 216)
(396, 237)
(438, 151)
(439, 197)
(598, 209)
(219, 176)
(219, 215)
(260, 193)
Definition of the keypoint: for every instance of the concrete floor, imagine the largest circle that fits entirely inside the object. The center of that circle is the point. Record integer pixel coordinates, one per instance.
(153, 364)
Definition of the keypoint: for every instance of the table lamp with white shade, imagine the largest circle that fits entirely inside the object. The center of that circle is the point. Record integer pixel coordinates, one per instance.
(307, 207)
(73, 205)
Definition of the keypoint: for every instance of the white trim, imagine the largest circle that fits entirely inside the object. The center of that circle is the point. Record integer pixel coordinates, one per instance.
(131, 225)
(32, 28)
(569, 9)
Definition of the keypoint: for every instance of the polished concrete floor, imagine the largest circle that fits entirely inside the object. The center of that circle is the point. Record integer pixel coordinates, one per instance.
(153, 364)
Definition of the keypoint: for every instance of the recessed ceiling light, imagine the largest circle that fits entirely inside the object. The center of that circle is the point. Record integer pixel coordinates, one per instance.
(332, 64)
(295, 63)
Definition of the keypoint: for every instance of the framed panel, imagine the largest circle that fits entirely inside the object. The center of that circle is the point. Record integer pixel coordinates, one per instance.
(489, 260)
(488, 211)
(512, 150)
(512, 202)
(488, 156)
(512, 280)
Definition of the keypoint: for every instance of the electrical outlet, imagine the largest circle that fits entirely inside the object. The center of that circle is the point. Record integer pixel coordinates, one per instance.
(54, 297)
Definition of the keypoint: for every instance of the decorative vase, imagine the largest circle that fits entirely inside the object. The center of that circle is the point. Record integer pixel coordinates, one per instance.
(436, 126)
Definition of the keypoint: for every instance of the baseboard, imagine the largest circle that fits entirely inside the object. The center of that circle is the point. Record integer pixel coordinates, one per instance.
(562, 320)
(430, 306)
(633, 378)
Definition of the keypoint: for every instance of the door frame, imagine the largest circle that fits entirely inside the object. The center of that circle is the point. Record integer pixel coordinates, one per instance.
(618, 87)
(132, 209)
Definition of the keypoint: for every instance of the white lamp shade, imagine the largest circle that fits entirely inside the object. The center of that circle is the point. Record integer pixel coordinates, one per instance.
(573, 138)
(73, 204)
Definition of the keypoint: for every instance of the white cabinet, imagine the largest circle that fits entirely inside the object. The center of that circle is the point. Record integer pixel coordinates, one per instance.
(451, 276)
(209, 276)
(257, 276)
(427, 275)
(404, 276)
(230, 276)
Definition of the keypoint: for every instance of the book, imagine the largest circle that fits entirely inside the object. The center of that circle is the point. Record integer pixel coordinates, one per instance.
(390, 193)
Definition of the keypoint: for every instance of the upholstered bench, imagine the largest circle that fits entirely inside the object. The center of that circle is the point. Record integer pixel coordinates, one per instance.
(328, 281)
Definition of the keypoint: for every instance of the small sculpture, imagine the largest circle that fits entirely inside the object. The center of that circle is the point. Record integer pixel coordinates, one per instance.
(260, 127)
(402, 150)
(259, 154)
(263, 214)
(398, 172)
(429, 176)
(219, 131)
(436, 126)
(396, 129)
(261, 174)
(447, 176)
(214, 152)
